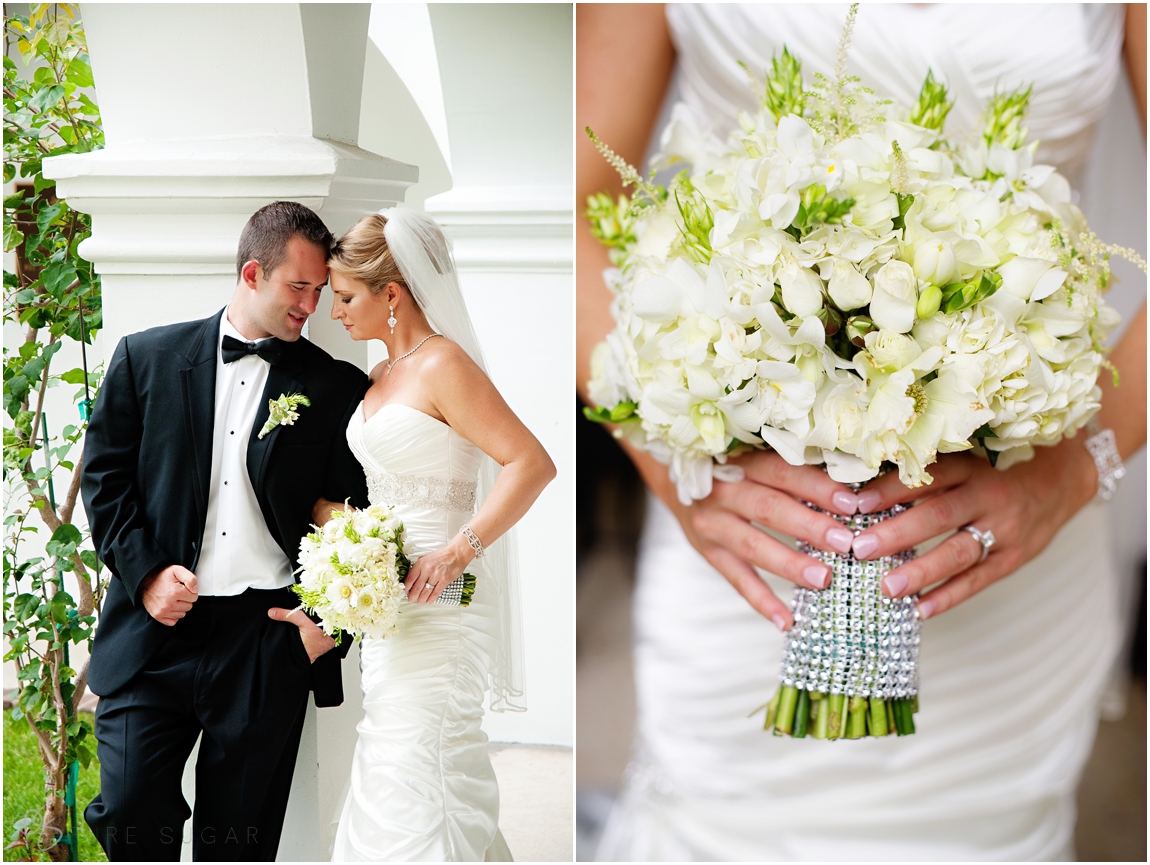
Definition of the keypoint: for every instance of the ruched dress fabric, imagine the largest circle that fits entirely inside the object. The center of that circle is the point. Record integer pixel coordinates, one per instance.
(1011, 679)
(422, 787)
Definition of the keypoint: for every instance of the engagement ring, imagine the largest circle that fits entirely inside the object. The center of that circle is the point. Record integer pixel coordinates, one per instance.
(985, 540)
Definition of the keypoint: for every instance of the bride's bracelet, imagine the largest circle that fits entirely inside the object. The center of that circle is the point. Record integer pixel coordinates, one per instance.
(1104, 450)
(473, 539)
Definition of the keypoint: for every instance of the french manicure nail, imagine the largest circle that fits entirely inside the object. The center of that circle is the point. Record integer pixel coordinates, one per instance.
(817, 575)
(840, 539)
(779, 621)
(895, 584)
(846, 502)
(865, 545)
(926, 609)
(868, 501)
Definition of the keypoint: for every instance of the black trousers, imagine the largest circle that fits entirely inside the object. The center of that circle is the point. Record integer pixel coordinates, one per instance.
(240, 678)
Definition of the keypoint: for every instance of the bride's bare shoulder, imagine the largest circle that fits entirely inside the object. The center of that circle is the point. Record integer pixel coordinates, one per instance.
(446, 359)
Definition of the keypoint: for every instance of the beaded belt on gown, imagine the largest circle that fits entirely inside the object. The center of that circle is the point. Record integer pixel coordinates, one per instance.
(384, 488)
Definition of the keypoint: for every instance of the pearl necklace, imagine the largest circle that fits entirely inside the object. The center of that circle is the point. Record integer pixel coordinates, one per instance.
(392, 363)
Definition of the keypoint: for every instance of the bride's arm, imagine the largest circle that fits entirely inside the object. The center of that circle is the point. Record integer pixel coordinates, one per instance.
(625, 58)
(1027, 505)
(469, 402)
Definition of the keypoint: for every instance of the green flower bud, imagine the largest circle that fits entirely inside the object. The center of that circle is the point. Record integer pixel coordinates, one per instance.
(929, 300)
(932, 107)
(858, 326)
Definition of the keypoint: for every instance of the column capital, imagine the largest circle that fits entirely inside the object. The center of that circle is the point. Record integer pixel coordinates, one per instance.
(177, 206)
(507, 228)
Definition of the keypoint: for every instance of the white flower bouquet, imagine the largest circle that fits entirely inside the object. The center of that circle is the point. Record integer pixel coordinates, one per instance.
(842, 283)
(352, 572)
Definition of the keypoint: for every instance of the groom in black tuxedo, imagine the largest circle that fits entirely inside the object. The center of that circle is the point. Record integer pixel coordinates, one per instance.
(197, 504)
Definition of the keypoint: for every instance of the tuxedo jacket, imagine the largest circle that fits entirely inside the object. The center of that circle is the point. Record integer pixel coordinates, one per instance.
(147, 471)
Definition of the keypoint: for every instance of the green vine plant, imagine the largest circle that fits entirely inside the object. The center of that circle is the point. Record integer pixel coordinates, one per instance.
(51, 295)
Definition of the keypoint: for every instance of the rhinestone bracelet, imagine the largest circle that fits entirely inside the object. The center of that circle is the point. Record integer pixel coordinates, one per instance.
(1104, 450)
(473, 539)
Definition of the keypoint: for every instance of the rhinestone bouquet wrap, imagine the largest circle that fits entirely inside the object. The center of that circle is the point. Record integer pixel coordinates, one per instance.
(850, 663)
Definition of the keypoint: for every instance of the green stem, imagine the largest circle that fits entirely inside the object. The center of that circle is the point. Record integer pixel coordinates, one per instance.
(773, 708)
(786, 716)
(856, 718)
(877, 721)
(837, 720)
(904, 716)
(802, 715)
(823, 725)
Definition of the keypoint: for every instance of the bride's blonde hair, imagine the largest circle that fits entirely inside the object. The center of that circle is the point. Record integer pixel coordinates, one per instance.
(363, 254)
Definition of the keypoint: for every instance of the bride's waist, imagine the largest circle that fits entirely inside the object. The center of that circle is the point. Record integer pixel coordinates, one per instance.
(421, 492)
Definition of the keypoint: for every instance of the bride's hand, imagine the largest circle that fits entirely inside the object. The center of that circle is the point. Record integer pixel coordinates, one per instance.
(1024, 506)
(720, 528)
(432, 573)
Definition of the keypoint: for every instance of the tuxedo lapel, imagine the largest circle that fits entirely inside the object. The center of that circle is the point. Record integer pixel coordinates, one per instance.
(198, 390)
(280, 383)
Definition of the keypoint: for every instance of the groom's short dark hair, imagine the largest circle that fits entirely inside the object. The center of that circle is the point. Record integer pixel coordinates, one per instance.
(265, 237)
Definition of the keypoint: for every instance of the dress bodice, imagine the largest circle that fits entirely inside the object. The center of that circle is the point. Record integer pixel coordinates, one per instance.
(1071, 53)
(421, 467)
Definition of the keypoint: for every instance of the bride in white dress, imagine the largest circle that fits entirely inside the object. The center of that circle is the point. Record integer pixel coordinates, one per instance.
(1014, 655)
(430, 433)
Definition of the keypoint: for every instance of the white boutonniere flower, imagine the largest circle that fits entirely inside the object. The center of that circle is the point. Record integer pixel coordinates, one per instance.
(284, 411)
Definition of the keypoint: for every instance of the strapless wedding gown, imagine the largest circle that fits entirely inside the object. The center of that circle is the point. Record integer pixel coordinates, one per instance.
(422, 787)
(1010, 680)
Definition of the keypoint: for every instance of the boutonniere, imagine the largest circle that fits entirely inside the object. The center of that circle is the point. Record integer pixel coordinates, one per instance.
(284, 411)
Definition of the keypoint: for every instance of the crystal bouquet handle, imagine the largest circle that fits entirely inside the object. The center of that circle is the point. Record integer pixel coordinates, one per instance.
(457, 593)
(850, 663)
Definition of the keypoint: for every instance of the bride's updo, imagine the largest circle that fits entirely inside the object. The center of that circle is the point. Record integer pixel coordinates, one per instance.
(363, 255)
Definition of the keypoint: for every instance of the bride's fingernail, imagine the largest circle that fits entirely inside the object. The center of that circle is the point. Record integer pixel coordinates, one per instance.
(869, 500)
(846, 502)
(926, 609)
(895, 584)
(865, 545)
(817, 575)
(779, 621)
(840, 539)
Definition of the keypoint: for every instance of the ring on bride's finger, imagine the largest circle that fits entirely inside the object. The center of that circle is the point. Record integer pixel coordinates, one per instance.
(985, 540)
(430, 586)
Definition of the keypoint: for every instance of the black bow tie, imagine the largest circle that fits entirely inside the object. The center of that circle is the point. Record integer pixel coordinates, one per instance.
(269, 349)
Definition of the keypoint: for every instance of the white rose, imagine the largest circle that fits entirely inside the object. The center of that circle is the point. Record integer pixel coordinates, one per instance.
(848, 288)
(895, 296)
(802, 290)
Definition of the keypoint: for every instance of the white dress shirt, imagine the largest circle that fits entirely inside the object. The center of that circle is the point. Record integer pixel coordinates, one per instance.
(238, 552)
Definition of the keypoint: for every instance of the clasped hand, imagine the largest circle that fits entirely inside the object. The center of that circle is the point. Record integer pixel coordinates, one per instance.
(432, 573)
(1024, 507)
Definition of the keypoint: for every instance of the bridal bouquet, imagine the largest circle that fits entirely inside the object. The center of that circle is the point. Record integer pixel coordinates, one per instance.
(352, 572)
(842, 283)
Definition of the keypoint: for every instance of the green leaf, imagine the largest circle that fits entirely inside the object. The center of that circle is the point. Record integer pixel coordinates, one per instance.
(80, 72)
(74, 376)
(47, 97)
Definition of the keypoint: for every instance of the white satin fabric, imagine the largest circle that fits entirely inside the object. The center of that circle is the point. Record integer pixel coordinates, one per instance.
(1011, 679)
(422, 787)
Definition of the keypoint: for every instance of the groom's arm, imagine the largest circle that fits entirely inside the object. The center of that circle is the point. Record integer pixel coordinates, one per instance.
(344, 479)
(108, 480)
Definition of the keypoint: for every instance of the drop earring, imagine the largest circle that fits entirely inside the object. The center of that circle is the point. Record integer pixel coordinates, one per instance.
(391, 322)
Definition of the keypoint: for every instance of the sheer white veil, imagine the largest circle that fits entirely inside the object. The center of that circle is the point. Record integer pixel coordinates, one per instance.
(423, 255)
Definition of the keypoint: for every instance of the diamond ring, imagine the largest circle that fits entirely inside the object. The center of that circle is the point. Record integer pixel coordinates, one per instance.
(985, 540)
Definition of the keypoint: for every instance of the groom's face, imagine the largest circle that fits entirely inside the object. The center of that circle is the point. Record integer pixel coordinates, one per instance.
(289, 294)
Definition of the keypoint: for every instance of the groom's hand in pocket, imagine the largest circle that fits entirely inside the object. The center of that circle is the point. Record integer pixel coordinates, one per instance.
(315, 641)
(169, 593)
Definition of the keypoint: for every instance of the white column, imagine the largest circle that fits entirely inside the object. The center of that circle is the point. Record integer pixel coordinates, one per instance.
(509, 215)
